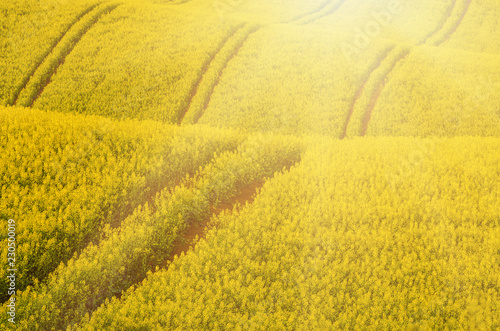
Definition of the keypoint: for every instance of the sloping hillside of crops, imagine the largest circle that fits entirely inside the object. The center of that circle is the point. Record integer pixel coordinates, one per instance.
(307, 88)
(29, 30)
(335, 243)
(237, 164)
(478, 28)
(453, 93)
(66, 177)
(137, 62)
(146, 238)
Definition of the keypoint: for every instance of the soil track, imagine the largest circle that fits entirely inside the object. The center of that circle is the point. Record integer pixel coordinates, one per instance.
(204, 70)
(67, 51)
(361, 88)
(326, 13)
(457, 23)
(198, 229)
(441, 23)
(376, 94)
(317, 10)
(27, 78)
(221, 72)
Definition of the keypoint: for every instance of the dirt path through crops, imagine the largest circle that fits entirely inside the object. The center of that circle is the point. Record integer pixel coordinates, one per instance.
(27, 78)
(326, 13)
(62, 57)
(316, 10)
(204, 70)
(188, 240)
(221, 72)
(442, 22)
(378, 90)
(457, 23)
(361, 88)
(376, 94)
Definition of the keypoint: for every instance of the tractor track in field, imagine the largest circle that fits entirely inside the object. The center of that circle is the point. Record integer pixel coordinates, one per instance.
(365, 121)
(66, 52)
(441, 25)
(198, 230)
(326, 13)
(457, 23)
(27, 78)
(317, 10)
(219, 74)
(204, 70)
(447, 15)
(60, 51)
(361, 88)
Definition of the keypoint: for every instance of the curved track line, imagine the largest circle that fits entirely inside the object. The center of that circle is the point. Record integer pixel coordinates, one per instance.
(204, 70)
(361, 88)
(66, 52)
(373, 101)
(446, 17)
(312, 12)
(233, 54)
(27, 78)
(197, 230)
(457, 23)
(375, 96)
(327, 13)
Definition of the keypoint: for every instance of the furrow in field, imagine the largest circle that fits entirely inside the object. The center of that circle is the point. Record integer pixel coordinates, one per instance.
(380, 78)
(206, 66)
(314, 17)
(30, 74)
(365, 120)
(455, 25)
(145, 239)
(361, 88)
(211, 78)
(378, 90)
(315, 11)
(368, 93)
(198, 230)
(46, 70)
(441, 24)
(385, 72)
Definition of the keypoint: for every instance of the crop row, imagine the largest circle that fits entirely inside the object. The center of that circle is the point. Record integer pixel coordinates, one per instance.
(28, 33)
(451, 94)
(41, 77)
(64, 177)
(145, 239)
(137, 62)
(372, 233)
(477, 29)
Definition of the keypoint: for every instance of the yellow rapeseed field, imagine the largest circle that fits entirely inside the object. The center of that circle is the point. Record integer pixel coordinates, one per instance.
(67, 176)
(343, 241)
(28, 32)
(250, 165)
